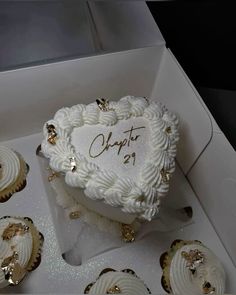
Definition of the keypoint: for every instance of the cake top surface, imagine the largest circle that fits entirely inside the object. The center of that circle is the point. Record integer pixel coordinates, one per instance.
(120, 152)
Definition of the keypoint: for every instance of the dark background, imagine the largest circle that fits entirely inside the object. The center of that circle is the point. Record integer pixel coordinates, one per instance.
(202, 36)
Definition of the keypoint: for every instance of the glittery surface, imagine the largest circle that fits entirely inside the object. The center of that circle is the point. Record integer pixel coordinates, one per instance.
(55, 275)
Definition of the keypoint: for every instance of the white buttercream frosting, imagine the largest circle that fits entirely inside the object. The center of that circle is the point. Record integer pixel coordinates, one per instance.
(22, 244)
(127, 283)
(141, 197)
(66, 201)
(10, 167)
(183, 282)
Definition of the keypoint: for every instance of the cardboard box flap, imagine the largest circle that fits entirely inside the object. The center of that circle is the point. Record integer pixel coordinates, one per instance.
(175, 90)
(39, 32)
(218, 200)
(31, 96)
(119, 25)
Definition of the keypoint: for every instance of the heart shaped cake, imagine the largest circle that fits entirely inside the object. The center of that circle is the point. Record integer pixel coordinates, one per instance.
(121, 154)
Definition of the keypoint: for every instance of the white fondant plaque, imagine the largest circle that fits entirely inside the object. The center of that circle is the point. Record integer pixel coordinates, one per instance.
(121, 148)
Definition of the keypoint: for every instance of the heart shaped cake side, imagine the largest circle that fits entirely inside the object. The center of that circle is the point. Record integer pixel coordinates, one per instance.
(143, 134)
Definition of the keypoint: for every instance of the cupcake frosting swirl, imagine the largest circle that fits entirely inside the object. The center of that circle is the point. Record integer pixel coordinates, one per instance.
(10, 167)
(119, 282)
(15, 237)
(182, 281)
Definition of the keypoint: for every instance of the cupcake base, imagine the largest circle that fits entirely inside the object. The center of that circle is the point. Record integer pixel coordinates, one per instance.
(38, 240)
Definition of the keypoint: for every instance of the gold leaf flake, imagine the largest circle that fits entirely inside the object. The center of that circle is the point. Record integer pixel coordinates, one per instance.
(14, 229)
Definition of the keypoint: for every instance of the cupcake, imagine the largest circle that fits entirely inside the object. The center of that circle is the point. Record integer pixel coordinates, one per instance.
(117, 282)
(189, 267)
(20, 249)
(13, 171)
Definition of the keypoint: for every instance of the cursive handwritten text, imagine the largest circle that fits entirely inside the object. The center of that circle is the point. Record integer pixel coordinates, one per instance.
(104, 143)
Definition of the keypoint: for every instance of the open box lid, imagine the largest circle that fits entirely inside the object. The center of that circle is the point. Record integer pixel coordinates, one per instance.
(119, 25)
(49, 31)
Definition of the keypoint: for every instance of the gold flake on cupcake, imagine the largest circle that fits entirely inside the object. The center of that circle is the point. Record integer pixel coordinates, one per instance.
(207, 288)
(13, 173)
(20, 249)
(13, 271)
(114, 290)
(124, 282)
(14, 229)
(194, 258)
(189, 265)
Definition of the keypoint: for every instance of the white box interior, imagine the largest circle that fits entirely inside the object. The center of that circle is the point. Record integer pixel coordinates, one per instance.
(119, 25)
(31, 96)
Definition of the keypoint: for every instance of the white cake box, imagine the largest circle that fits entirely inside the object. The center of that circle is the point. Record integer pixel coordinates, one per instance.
(205, 172)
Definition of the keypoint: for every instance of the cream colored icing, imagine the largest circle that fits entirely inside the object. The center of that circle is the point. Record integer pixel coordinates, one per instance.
(127, 283)
(183, 282)
(10, 167)
(22, 244)
(113, 189)
(66, 201)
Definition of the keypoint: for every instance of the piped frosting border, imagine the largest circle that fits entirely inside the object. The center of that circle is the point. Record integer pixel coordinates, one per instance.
(142, 198)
